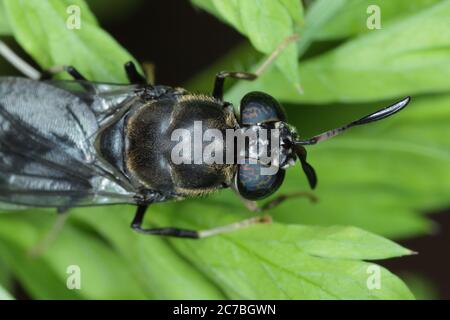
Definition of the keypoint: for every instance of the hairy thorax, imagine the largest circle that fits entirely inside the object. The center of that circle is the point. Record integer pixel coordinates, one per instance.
(149, 135)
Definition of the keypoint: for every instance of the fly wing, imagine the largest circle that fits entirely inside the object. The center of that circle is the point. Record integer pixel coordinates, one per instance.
(102, 98)
(47, 157)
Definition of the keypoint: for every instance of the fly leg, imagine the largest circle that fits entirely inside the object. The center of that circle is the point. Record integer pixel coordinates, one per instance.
(253, 205)
(31, 72)
(266, 219)
(130, 69)
(133, 75)
(192, 234)
(221, 76)
(170, 232)
(220, 81)
(49, 73)
(76, 75)
(51, 235)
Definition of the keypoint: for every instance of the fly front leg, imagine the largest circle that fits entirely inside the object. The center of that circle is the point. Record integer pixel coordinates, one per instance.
(253, 205)
(30, 71)
(72, 71)
(266, 219)
(130, 69)
(193, 234)
(136, 225)
(220, 81)
(221, 76)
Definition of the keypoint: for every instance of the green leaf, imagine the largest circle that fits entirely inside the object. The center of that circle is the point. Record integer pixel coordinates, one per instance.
(266, 23)
(4, 295)
(207, 269)
(6, 279)
(40, 27)
(163, 273)
(318, 15)
(171, 276)
(35, 275)
(352, 18)
(334, 242)
(383, 64)
(280, 261)
(103, 274)
(5, 29)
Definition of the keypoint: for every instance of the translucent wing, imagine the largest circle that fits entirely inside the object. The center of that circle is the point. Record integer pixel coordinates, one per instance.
(102, 98)
(47, 157)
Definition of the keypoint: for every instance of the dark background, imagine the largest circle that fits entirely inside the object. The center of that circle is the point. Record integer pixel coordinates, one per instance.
(179, 39)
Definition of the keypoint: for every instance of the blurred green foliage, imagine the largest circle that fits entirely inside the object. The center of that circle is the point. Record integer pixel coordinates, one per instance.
(251, 17)
(422, 287)
(380, 178)
(41, 29)
(5, 29)
(348, 20)
(405, 55)
(4, 295)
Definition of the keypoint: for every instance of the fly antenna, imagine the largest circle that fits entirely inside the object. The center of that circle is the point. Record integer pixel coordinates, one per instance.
(378, 115)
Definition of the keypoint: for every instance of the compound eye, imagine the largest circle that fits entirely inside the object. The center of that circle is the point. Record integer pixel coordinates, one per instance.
(253, 185)
(259, 107)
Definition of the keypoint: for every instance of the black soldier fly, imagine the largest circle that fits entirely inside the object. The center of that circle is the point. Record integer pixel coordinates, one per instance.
(79, 143)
